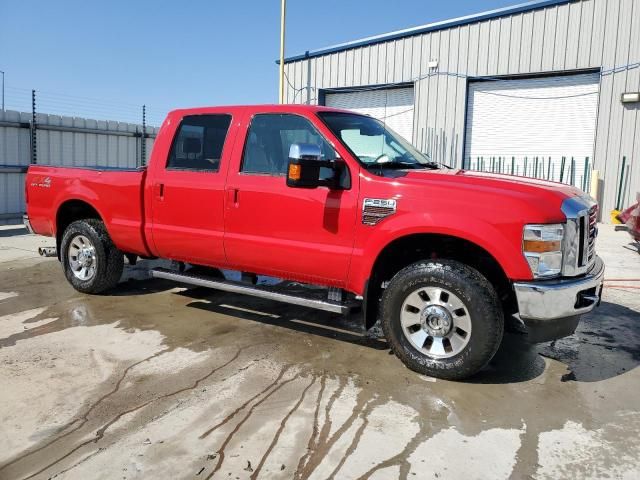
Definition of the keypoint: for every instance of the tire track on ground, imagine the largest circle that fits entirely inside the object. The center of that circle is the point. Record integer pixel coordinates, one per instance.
(101, 432)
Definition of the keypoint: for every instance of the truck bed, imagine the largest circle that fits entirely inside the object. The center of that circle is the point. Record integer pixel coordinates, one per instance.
(117, 194)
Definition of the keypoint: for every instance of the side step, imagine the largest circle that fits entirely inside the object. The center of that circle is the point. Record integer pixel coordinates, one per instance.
(269, 293)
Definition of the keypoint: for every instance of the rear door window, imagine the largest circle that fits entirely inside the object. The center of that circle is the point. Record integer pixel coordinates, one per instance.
(199, 143)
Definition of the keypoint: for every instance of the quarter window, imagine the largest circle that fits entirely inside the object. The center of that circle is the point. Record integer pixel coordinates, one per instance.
(270, 137)
(199, 143)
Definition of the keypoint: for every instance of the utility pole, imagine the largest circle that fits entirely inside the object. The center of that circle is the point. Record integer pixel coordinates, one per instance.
(283, 12)
(2, 89)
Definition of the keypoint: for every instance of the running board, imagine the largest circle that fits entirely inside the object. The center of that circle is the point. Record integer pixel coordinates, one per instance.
(255, 291)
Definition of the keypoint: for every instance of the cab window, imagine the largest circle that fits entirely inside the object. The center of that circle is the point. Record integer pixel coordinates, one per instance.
(199, 142)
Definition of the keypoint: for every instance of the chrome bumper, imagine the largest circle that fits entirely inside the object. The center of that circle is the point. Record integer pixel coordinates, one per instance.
(549, 300)
(27, 223)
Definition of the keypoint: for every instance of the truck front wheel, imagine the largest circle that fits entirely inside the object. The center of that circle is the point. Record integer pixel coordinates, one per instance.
(90, 260)
(442, 319)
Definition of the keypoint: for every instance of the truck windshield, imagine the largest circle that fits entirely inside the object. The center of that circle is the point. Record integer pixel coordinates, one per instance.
(373, 143)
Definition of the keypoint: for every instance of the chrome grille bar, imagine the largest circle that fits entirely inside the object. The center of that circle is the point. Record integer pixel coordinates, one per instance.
(580, 234)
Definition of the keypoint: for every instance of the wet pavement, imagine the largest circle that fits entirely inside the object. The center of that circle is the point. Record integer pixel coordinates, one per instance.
(154, 381)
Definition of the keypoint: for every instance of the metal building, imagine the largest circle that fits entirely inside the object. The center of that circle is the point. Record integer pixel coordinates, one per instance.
(535, 89)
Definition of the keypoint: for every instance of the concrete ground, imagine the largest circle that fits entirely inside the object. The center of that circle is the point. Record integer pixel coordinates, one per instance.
(154, 381)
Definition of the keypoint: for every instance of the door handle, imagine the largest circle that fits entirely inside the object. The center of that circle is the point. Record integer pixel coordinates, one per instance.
(233, 197)
(159, 187)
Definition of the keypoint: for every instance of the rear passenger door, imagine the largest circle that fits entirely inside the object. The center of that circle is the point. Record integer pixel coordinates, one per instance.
(188, 191)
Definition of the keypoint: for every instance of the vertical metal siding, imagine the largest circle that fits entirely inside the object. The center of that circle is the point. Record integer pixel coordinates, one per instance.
(61, 148)
(515, 39)
(537, 39)
(586, 34)
(549, 39)
(574, 31)
(14, 150)
(630, 81)
(504, 46)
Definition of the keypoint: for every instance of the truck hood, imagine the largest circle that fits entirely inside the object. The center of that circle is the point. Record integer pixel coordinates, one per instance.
(503, 182)
(536, 200)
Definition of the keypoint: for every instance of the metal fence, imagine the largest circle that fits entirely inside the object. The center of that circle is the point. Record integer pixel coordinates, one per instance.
(569, 170)
(40, 138)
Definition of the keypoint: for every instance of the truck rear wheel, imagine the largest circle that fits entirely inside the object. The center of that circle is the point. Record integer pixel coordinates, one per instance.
(90, 260)
(442, 319)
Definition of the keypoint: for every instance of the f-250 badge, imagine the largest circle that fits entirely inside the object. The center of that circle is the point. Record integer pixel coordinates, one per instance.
(374, 210)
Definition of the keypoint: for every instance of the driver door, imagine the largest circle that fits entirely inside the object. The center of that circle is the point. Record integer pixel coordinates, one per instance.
(295, 233)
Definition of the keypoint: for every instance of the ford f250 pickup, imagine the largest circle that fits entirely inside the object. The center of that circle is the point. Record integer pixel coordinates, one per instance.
(442, 257)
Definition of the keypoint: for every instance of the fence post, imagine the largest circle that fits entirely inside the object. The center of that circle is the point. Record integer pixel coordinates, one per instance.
(621, 186)
(143, 146)
(584, 175)
(34, 127)
(138, 150)
(573, 171)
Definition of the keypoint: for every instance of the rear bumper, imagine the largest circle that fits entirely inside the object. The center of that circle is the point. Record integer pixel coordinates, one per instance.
(551, 309)
(27, 223)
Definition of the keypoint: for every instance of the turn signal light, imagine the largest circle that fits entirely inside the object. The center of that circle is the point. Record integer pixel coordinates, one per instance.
(295, 171)
(541, 246)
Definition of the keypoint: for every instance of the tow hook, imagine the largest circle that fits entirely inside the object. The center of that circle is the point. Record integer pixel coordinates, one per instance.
(589, 297)
(47, 252)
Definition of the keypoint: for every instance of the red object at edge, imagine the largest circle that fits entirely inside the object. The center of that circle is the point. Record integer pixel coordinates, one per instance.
(631, 217)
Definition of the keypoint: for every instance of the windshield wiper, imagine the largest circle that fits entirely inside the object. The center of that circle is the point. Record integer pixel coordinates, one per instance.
(437, 165)
(398, 165)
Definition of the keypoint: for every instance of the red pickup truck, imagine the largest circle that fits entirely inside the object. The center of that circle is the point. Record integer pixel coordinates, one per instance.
(442, 257)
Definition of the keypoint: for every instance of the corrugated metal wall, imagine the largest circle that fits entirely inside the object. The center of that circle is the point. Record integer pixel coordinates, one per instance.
(71, 143)
(581, 35)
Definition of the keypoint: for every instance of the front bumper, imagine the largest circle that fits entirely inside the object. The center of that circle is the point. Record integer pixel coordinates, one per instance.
(552, 308)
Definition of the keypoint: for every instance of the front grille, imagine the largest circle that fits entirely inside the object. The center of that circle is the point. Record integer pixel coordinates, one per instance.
(592, 234)
(588, 229)
(581, 231)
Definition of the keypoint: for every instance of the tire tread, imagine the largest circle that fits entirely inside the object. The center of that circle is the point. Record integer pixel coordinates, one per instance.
(113, 259)
(483, 292)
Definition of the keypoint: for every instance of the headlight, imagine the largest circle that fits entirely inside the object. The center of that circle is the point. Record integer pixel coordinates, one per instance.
(542, 247)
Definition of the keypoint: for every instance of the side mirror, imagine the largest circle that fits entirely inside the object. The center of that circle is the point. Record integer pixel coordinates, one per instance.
(305, 162)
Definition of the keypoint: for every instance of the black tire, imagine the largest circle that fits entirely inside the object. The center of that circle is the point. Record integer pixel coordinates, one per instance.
(109, 261)
(478, 297)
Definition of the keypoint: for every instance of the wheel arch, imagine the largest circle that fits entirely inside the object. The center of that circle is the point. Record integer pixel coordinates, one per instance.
(71, 210)
(410, 248)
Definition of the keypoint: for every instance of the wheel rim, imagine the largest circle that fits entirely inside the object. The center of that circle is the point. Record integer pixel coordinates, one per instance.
(436, 322)
(82, 258)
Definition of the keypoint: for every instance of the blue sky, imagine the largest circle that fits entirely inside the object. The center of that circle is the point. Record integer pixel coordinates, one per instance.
(105, 58)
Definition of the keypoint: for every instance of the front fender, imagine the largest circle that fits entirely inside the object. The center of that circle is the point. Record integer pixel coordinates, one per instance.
(501, 240)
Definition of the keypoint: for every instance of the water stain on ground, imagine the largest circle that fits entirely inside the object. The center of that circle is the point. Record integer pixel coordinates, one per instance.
(245, 387)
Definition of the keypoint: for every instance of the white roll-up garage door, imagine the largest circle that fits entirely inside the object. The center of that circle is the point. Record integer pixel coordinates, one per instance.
(394, 106)
(550, 118)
